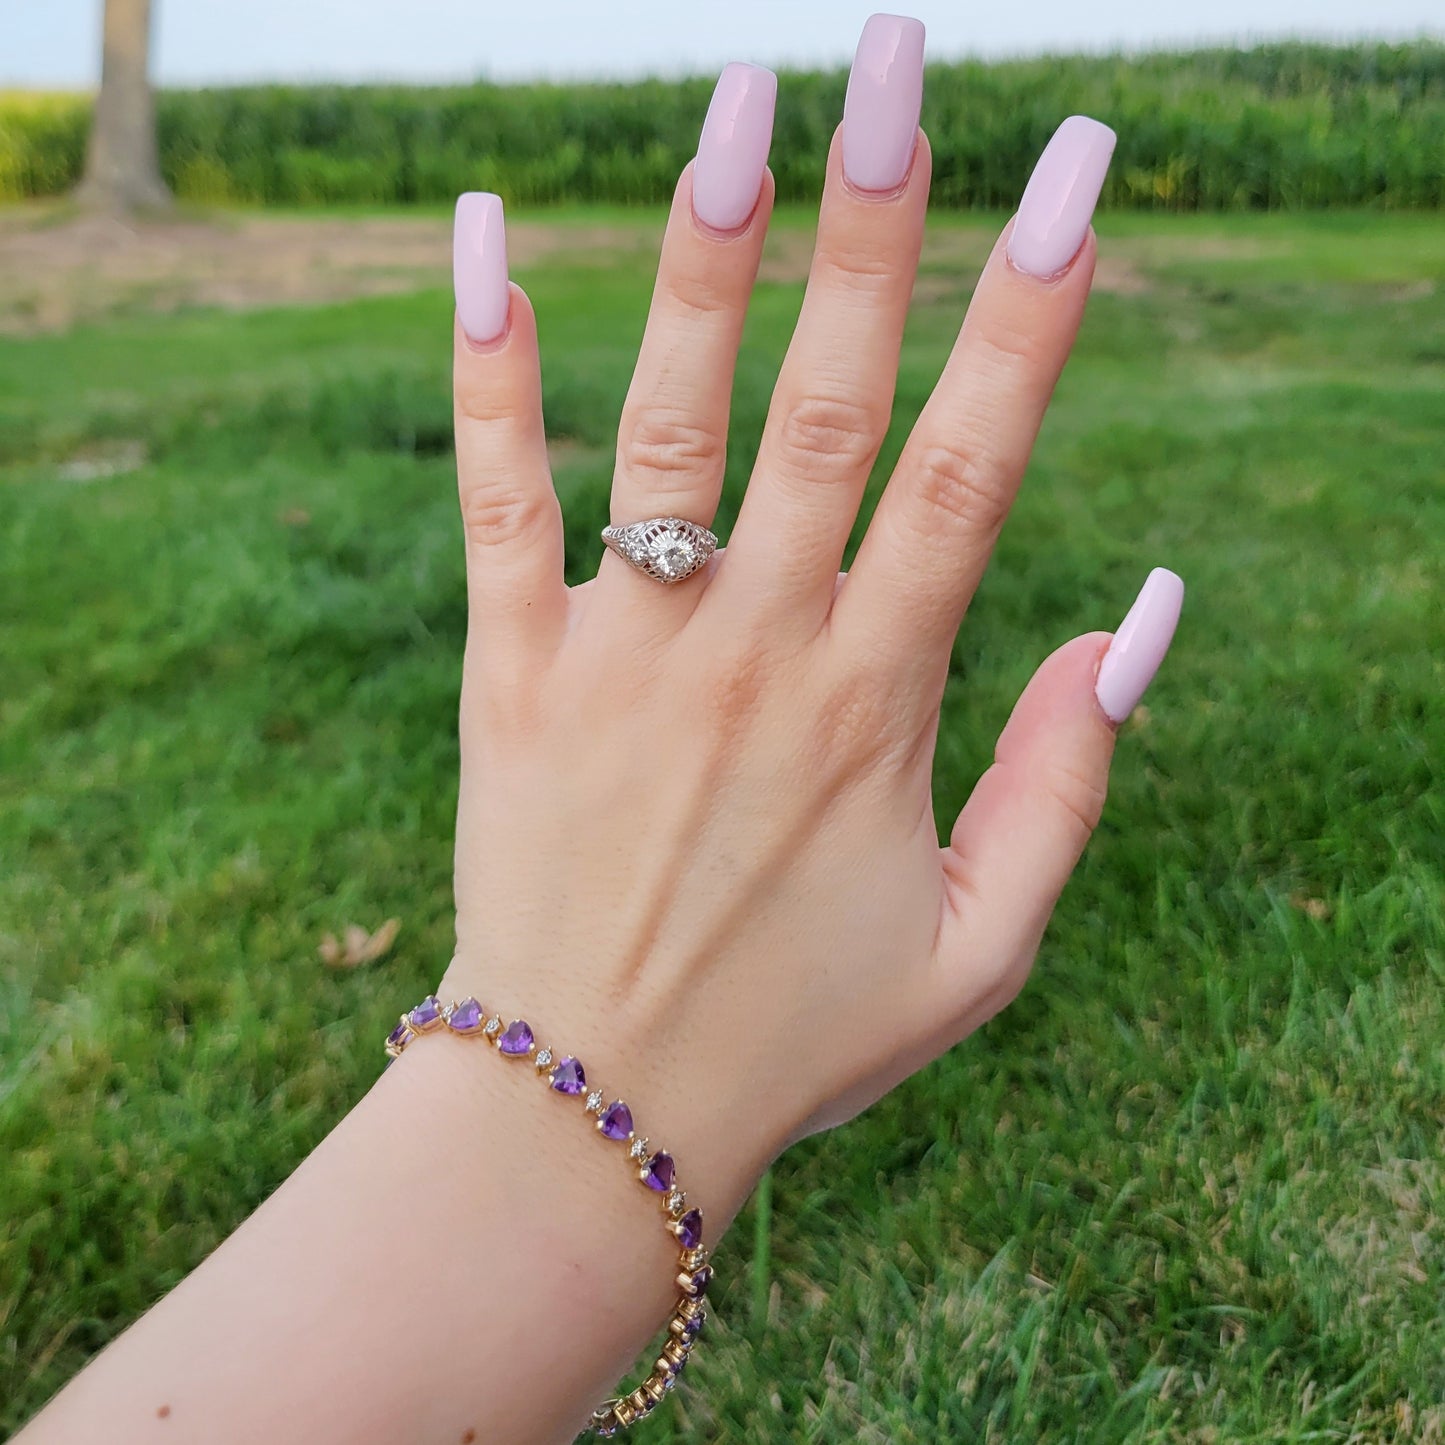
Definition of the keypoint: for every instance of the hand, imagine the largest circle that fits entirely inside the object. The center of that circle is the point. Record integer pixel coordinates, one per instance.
(695, 842)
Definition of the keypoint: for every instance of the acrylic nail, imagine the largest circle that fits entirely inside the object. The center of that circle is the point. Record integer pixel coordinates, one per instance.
(1138, 647)
(1058, 202)
(885, 95)
(732, 152)
(479, 266)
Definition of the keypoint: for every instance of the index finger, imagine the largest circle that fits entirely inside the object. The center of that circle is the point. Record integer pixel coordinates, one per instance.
(934, 528)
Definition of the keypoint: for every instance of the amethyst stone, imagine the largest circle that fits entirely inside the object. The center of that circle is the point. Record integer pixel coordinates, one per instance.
(568, 1077)
(466, 1017)
(701, 1278)
(616, 1123)
(396, 1035)
(659, 1172)
(516, 1038)
(693, 1328)
(689, 1229)
(428, 1011)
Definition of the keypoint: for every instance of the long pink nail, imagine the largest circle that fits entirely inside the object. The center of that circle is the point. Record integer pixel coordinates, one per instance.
(1058, 202)
(1139, 645)
(479, 266)
(885, 95)
(733, 150)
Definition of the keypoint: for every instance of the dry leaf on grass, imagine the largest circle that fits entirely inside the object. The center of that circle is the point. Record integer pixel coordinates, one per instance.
(1316, 908)
(357, 946)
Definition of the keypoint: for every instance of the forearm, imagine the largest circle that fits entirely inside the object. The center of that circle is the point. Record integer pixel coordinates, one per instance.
(457, 1255)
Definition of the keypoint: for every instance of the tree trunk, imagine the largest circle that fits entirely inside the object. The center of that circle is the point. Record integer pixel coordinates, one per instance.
(122, 164)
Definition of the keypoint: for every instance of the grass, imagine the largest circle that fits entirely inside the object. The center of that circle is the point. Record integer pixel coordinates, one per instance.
(1188, 1188)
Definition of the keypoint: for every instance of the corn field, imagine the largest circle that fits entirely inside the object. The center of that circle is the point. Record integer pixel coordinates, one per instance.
(1275, 127)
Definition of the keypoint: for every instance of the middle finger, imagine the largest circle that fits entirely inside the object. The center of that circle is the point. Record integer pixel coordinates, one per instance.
(831, 406)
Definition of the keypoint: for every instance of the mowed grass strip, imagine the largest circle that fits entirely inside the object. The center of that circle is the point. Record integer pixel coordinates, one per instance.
(1189, 1187)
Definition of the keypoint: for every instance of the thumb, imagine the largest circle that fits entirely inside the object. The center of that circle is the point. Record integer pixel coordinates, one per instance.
(1030, 815)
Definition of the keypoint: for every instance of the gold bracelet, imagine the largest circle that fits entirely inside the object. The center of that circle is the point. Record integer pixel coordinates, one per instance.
(467, 1019)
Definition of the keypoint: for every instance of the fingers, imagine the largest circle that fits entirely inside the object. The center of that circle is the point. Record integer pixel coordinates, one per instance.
(831, 407)
(1026, 823)
(934, 528)
(510, 514)
(672, 442)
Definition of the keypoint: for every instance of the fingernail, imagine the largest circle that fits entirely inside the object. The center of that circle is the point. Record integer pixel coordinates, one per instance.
(885, 94)
(1058, 202)
(1139, 645)
(479, 266)
(732, 152)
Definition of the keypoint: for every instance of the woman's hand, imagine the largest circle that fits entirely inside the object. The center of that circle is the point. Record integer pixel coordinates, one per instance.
(696, 843)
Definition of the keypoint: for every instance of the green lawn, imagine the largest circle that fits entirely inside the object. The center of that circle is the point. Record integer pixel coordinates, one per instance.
(1189, 1187)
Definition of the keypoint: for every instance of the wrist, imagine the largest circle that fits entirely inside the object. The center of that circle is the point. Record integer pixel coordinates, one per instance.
(705, 1118)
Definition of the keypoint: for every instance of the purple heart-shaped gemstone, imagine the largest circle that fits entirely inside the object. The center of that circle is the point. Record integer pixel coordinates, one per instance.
(568, 1077)
(659, 1172)
(466, 1017)
(617, 1121)
(397, 1035)
(428, 1011)
(701, 1278)
(689, 1229)
(516, 1038)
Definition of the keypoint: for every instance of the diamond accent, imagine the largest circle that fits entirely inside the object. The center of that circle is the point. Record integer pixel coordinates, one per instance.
(639, 1148)
(675, 1202)
(544, 1058)
(594, 1101)
(494, 1026)
(667, 549)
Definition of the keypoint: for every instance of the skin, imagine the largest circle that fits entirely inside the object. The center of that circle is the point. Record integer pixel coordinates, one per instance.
(695, 846)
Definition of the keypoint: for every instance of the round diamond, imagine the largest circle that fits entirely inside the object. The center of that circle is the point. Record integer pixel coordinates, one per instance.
(639, 1148)
(594, 1101)
(674, 553)
(494, 1026)
(544, 1058)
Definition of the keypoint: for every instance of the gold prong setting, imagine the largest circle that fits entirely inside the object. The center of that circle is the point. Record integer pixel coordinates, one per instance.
(654, 1168)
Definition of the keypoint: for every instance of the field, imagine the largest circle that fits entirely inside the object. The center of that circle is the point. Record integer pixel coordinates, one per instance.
(1191, 1187)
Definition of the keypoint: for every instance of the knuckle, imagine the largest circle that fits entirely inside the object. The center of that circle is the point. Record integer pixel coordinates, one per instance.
(852, 726)
(834, 432)
(860, 266)
(967, 486)
(1010, 348)
(702, 293)
(666, 446)
(498, 514)
(487, 400)
(1078, 796)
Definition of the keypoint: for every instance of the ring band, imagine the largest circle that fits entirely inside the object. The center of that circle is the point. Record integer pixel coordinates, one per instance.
(667, 549)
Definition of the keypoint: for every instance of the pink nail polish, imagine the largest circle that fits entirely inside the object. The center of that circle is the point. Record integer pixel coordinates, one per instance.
(1139, 645)
(479, 266)
(885, 94)
(732, 152)
(1058, 202)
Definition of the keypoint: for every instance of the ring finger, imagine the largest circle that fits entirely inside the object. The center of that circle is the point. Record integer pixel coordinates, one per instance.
(672, 440)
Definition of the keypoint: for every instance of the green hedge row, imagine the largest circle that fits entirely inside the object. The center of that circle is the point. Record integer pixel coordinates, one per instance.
(1283, 126)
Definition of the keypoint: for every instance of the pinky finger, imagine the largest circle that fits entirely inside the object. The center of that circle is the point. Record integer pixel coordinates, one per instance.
(510, 512)
(1031, 814)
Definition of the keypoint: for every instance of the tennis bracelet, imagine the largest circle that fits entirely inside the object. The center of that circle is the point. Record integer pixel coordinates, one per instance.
(655, 1170)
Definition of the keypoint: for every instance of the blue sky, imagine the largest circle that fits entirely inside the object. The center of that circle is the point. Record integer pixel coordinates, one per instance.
(55, 43)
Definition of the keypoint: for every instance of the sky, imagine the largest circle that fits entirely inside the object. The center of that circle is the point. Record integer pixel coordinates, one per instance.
(55, 44)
